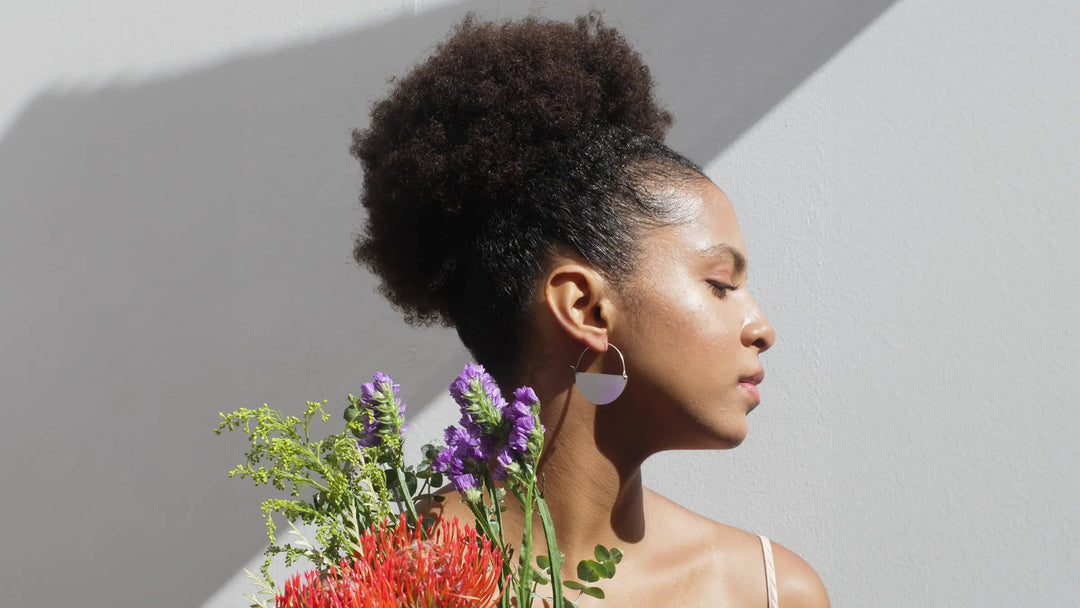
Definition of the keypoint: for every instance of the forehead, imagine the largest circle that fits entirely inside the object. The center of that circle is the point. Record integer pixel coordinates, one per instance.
(707, 222)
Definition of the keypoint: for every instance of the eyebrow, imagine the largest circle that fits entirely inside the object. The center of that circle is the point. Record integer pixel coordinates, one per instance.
(723, 250)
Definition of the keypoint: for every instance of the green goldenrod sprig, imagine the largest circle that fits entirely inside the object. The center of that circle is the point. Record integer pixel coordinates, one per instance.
(333, 483)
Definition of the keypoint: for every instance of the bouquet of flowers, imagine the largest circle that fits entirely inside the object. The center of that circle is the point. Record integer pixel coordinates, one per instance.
(371, 547)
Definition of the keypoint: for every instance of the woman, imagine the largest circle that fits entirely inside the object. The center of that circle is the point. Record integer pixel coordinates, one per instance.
(517, 189)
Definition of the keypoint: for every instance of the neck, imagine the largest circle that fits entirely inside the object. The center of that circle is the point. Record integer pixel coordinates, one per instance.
(590, 475)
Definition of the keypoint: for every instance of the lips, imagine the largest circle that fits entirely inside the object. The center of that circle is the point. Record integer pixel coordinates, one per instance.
(749, 384)
(754, 379)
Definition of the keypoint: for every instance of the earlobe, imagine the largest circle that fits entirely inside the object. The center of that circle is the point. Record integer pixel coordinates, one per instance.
(574, 295)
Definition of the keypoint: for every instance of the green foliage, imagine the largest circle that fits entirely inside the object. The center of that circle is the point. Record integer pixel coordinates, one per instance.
(331, 483)
(591, 571)
(264, 593)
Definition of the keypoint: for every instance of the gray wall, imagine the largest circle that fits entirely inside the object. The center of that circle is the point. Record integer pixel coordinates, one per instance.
(176, 213)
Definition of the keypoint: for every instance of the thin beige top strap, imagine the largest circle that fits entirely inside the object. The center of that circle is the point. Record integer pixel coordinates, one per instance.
(770, 572)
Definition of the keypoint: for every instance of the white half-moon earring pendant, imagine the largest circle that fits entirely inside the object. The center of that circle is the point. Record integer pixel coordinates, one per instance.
(600, 389)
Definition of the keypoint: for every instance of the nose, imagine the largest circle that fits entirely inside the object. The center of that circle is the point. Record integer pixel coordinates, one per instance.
(757, 331)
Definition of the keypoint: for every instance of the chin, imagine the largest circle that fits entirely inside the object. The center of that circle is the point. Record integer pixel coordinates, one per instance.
(729, 442)
(724, 438)
(736, 442)
(730, 436)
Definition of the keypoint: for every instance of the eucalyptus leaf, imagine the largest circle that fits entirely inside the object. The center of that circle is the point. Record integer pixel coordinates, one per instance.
(590, 571)
(601, 553)
(609, 569)
(616, 555)
(594, 591)
(576, 586)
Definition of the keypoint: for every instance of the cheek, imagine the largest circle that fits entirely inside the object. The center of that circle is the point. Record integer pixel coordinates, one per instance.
(681, 327)
(697, 321)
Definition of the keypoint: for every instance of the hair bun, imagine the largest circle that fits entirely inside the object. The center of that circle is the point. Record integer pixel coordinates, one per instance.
(461, 137)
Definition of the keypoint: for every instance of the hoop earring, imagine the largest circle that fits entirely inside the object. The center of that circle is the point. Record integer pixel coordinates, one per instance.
(600, 389)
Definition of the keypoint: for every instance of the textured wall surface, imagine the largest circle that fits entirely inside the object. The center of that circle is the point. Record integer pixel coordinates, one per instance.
(911, 213)
(176, 213)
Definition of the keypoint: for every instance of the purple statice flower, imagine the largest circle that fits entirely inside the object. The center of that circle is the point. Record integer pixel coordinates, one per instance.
(467, 445)
(521, 422)
(525, 434)
(466, 382)
(445, 462)
(506, 463)
(519, 438)
(465, 483)
(479, 399)
(379, 412)
(463, 382)
(496, 437)
(526, 395)
(465, 455)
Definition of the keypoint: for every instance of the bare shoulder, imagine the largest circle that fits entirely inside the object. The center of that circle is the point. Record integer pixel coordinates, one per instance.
(798, 585)
(736, 560)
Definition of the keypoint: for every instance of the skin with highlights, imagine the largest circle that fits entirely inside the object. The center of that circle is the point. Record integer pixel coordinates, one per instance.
(692, 335)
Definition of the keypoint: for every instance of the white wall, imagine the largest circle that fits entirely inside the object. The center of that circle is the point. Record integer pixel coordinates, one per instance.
(176, 214)
(911, 212)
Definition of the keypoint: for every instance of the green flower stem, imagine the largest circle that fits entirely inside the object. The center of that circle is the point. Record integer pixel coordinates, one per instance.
(497, 506)
(553, 552)
(354, 529)
(525, 567)
(504, 599)
(404, 487)
(481, 519)
(479, 512)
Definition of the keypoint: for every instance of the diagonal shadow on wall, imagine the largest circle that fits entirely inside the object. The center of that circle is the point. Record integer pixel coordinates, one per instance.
(179, 247)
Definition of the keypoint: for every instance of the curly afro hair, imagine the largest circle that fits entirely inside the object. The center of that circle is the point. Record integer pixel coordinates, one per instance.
(512, 141)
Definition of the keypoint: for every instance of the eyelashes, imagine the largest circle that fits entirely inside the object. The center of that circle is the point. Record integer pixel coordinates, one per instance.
(721, 289)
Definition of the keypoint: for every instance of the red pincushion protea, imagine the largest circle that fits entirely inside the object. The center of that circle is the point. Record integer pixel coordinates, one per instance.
(453, 568)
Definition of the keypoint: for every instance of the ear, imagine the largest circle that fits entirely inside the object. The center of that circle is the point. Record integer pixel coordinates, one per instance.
(576, 297)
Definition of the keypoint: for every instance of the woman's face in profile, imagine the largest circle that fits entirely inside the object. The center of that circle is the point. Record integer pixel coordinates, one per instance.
(693, 331)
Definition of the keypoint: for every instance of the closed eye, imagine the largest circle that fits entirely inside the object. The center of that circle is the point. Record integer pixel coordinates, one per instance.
(721, 289)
